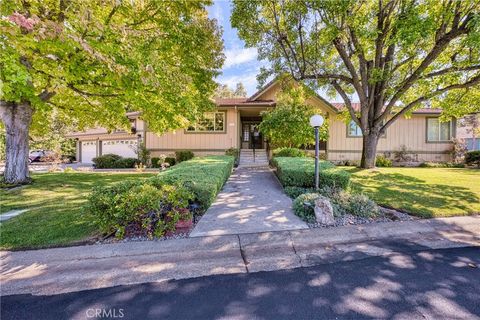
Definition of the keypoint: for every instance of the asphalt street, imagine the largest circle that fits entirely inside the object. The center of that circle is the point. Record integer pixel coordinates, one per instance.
(433, 284)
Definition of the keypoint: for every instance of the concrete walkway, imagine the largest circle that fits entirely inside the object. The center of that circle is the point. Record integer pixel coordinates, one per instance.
(58, 270)
(251, 201)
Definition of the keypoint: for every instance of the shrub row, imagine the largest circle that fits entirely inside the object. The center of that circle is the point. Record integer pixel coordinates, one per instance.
(204, 176)
(300, 172)
(113, 161)
(153, 206)
(289, 152)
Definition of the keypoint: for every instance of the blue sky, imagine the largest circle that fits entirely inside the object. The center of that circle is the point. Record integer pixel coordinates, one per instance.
(241, 64)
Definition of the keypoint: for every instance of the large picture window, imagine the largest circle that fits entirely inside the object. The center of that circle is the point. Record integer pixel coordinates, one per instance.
(211, 122)
(438, 131)
(354, 130)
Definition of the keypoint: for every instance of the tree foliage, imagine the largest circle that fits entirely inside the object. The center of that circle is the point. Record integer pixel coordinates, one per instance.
(395, 55)
(224, 91)
(288, 124)
(93, 60)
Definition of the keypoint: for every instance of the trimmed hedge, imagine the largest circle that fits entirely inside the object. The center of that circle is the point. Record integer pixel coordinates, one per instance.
(289, 152)
(113, 161)
(204, 176)
(300, 172)
(105, 161)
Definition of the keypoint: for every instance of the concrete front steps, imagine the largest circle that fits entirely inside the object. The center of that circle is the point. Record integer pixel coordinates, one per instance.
(248, 159)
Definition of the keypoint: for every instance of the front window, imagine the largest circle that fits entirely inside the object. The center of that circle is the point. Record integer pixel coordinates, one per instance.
(354, 130)
(211, 122)
(438, 131)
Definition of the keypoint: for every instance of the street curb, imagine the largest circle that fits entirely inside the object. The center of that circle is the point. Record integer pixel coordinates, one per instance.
(49, 271)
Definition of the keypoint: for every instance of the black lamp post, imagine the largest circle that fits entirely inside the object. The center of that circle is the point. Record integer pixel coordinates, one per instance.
(316, 122)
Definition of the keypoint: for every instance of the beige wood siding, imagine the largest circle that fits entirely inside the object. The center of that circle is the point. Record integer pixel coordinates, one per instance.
(408, 132)
(200, 142)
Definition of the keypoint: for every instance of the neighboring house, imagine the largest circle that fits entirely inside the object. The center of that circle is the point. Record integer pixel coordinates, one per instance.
(234, 125)
(468, 130)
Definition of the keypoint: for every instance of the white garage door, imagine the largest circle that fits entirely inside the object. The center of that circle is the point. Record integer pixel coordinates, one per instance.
(89, 151)
(124, 148)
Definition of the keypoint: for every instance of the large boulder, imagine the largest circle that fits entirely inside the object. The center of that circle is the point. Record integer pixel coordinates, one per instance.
(324, 211)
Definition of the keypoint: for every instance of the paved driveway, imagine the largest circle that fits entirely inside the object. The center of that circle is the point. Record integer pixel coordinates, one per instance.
(252, 200)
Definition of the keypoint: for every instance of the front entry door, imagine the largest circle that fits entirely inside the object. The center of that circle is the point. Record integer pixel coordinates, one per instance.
(251, 136)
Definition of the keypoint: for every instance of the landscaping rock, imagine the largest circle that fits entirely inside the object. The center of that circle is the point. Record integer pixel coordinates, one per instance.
(324, 212)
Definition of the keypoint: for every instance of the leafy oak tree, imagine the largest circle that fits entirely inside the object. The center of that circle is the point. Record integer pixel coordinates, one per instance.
(288, 124)
(93, 60)
(395, 55)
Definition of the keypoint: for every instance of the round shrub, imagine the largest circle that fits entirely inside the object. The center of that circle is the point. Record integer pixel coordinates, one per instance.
(362, 206)
(171, 161)
(382, 161)
(289, 152)
(294, 192)
(233, 152)
(183, 155)
(156, 163)
(106, 161)
(304, 205)
(124, 163)
(473, 158)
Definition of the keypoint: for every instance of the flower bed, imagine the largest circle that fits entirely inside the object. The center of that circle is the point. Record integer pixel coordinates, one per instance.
(160, 205)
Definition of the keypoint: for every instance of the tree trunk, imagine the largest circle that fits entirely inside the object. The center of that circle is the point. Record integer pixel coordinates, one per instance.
(17, 118)
(369, 151)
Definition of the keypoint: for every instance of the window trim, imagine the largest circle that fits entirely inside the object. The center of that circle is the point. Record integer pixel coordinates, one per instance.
(224, 131)
(453, 131)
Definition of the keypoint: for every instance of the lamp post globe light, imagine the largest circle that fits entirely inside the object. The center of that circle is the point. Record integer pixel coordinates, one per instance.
(316, 121)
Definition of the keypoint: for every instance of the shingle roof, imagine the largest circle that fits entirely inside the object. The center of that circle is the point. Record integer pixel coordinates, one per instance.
(241, 101)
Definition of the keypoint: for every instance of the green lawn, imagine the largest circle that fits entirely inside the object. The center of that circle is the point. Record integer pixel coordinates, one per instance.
(426, 192)
(56, 216)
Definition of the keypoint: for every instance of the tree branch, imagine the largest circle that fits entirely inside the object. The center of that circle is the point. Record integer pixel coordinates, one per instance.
(90, 94)
(437, 49)
(348, 102)
(451, 69)
(472, 82)
(348, 63)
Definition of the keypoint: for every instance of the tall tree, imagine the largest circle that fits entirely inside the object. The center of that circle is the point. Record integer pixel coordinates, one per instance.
(240, 90)
(394, 54)
(224, 91)
(93, 60)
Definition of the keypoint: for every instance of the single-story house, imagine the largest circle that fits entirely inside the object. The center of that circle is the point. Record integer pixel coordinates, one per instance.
(234, 125)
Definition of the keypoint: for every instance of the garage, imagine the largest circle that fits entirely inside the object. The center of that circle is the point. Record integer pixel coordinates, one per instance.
(88, 151)
(124, 148)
